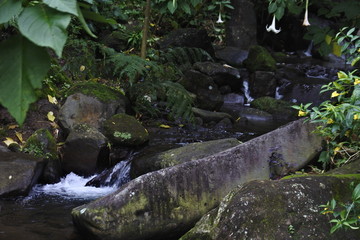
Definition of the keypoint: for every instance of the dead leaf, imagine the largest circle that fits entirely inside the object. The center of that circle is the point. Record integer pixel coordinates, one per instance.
(13, 126)
(9, 141)
(164, 126)
(52, 99)
(19, 136)
(51, 116)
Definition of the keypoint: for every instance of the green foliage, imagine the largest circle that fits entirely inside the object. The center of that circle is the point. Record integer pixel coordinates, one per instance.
(346, 215)
(23, 65)
(340, 120)
(350, 44)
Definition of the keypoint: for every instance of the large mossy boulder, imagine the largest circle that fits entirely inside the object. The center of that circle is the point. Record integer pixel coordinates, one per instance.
(90, 103)
(19, 173)
(259, 59)
(277, 210)
(85, 151)
(124, 130)
(42, 144)
(166, 203)
(172, 157)
(278, 108)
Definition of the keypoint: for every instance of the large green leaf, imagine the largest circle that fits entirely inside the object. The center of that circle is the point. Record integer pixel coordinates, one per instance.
(67, 6)
(9, 9)
(23, 66)
(45, 26)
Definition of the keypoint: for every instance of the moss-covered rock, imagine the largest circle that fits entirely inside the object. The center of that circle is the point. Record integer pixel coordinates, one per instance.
(125, 130)
(42, 144)
(180, 155)
(277, 210)
(94, 89)
(259, 59)
(279, 108)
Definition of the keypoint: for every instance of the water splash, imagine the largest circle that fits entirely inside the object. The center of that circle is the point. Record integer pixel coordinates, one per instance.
(246, 90)
(73, 186)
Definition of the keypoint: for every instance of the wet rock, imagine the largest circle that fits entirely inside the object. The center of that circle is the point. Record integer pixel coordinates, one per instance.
(232, 55)
(85, 151)
(42, 144)
(241, 29)
(125, 130)
(208, 116)
(208, 96)
(179, 155)
(188, 37)
(260, 59)
(278, 108)
(166, 203)
(92, 104)
(278, 210)
(19, 173)
(262, 83)
(234, 98)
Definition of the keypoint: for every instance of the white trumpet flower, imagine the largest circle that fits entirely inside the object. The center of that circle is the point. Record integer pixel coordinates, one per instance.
(272, 27)
(306, 19)
(219, 19)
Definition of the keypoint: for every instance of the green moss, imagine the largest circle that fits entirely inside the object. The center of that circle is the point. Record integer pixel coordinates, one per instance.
(259, 59)
(273, 106)
(41, 144)
(100, 91)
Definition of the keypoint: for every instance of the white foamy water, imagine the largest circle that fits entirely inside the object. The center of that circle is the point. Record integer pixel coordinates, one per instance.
(73, 186)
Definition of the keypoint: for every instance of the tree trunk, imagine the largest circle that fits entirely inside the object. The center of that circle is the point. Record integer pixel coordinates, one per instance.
(145, 29)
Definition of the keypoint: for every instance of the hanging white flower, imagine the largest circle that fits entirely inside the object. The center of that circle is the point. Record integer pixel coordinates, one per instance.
(272, 27)
(306, 19)
(219, 19)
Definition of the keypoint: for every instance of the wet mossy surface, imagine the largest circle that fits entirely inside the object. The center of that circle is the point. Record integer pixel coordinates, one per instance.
(101, 92)
(259, 59)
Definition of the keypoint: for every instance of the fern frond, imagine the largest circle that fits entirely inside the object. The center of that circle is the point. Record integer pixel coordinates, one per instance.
(183, 55)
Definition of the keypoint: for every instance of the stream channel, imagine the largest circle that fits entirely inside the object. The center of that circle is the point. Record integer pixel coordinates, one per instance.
(45, 213)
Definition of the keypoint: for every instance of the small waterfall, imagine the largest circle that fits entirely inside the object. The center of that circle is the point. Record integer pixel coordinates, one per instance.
(73, 186)
(246, 90)
(309, 49)
(278, 96)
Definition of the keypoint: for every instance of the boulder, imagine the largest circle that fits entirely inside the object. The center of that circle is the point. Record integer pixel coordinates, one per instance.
(208, 96)
(188, 37)
(277, 210)
(125, 130)
(42, 144)
(85, 151)
(90, 103)
(165, 204)
(232, 55)
(172, 157)
(208, 116)
(259, 59)
(262, 83)
(19, 173)
(278, 108)
(241, 29)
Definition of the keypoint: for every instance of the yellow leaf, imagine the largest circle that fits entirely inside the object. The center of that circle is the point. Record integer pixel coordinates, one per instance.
(328, 39)
(181, 125)
(342, 75)
(13, 126)
(9, 141)
(52, 99)
(19, 136)
(51, 116)
(336, 49)
(164, 126)
(82, 68)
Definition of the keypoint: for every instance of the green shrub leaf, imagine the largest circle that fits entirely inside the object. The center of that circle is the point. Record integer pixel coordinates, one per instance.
(23, 66)
(45, 26)
(9, 9)
(67, 6)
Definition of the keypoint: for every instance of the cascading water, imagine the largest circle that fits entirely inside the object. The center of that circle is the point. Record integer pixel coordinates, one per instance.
(246, 90)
